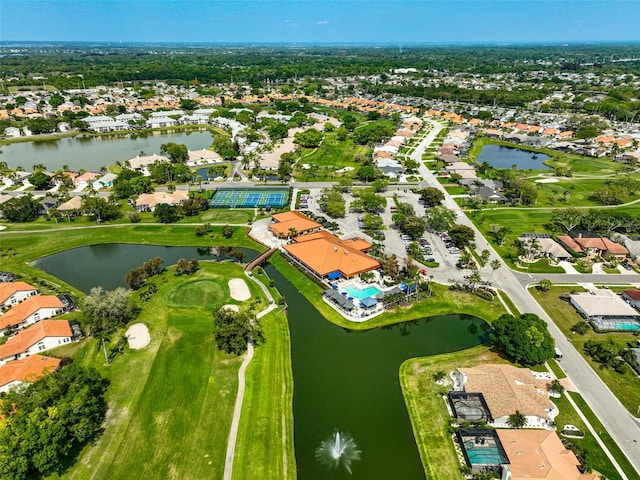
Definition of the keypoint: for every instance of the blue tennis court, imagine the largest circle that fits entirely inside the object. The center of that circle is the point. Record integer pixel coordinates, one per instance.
(250, 198)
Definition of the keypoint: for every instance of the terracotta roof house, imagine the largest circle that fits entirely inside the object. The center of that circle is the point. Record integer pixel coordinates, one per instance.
(505, 389)
(539, 454)
(566, 134)
(324, 255)
(632, 297)
(593, 246)
(38, 338)
(86, 177)
(147, 202)
(606, 310)
(293, 223)
(31, 310)
(15, 292)
(28, 369)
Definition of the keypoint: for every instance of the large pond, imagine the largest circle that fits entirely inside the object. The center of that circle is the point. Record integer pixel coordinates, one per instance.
(106, 265)
(344, 380)
(499, 156)
(91, 153)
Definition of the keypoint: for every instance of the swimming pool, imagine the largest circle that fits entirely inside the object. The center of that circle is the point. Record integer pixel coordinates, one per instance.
(484, 455)
(359, 294)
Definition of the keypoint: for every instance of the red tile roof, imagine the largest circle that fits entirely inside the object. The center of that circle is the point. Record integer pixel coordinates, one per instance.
(32, 335)
(27, 369)
(20, 312)
(9, 288)
(325, 255)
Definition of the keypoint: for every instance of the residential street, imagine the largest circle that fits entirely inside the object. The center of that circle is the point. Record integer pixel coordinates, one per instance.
(621, 425)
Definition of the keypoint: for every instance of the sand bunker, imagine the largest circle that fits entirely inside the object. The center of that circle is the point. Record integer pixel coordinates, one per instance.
(230, 306)
(138, 336)
(547, 180)
(239, 289)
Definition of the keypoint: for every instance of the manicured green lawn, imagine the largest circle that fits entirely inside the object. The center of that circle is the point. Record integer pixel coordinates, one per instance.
(331, 155)
(223, 215)
(625, 386)
(170, 403)
(443, 301)
(264, 448)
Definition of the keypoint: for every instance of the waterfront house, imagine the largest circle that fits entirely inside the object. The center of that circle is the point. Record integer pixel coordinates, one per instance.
(539, 455)
(507, 389)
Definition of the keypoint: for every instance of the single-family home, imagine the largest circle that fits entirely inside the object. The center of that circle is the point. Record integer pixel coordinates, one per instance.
(632, 297)
(159, 122)
(606, 310)
(71, 207)
(539, 455)
(12, 293)
(28, 369)
(11, 132)
(507, 389)
(47, 204)
(106, 181)
(40, 337)
(31, 310)
(488, 195)
(545, 245)
(592, 245)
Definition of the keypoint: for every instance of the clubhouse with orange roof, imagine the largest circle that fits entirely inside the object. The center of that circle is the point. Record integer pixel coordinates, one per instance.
(320, 252)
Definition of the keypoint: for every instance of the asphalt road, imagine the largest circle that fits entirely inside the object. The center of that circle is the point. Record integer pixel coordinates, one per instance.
(621, 425)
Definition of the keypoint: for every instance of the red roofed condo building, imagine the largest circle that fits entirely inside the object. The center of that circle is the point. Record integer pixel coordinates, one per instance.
(28, 369)
(32, 310)
(42, 336)
(15, 292)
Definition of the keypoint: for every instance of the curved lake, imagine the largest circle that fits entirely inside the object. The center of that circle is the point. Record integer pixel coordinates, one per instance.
(91, 153)
(499, 156)
(343, 380)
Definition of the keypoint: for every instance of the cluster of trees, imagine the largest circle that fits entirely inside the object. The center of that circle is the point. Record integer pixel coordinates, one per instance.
(232, 330)
(106, 310)
(137, 276)
(525, 339)
(131, 182)
(332, 202)
(440, 218)
(609, 354)
(368, 200)
(20, 209)
(49, 420)
(222, 252)
(186, 267)
(604, 222)
(616, 191)
(461, 235)
(431, 196)
(310, 138)
(406, 220)
(373, 133)
(100, 209)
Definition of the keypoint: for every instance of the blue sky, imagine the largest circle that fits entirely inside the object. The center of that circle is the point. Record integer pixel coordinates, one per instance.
(318, 21)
